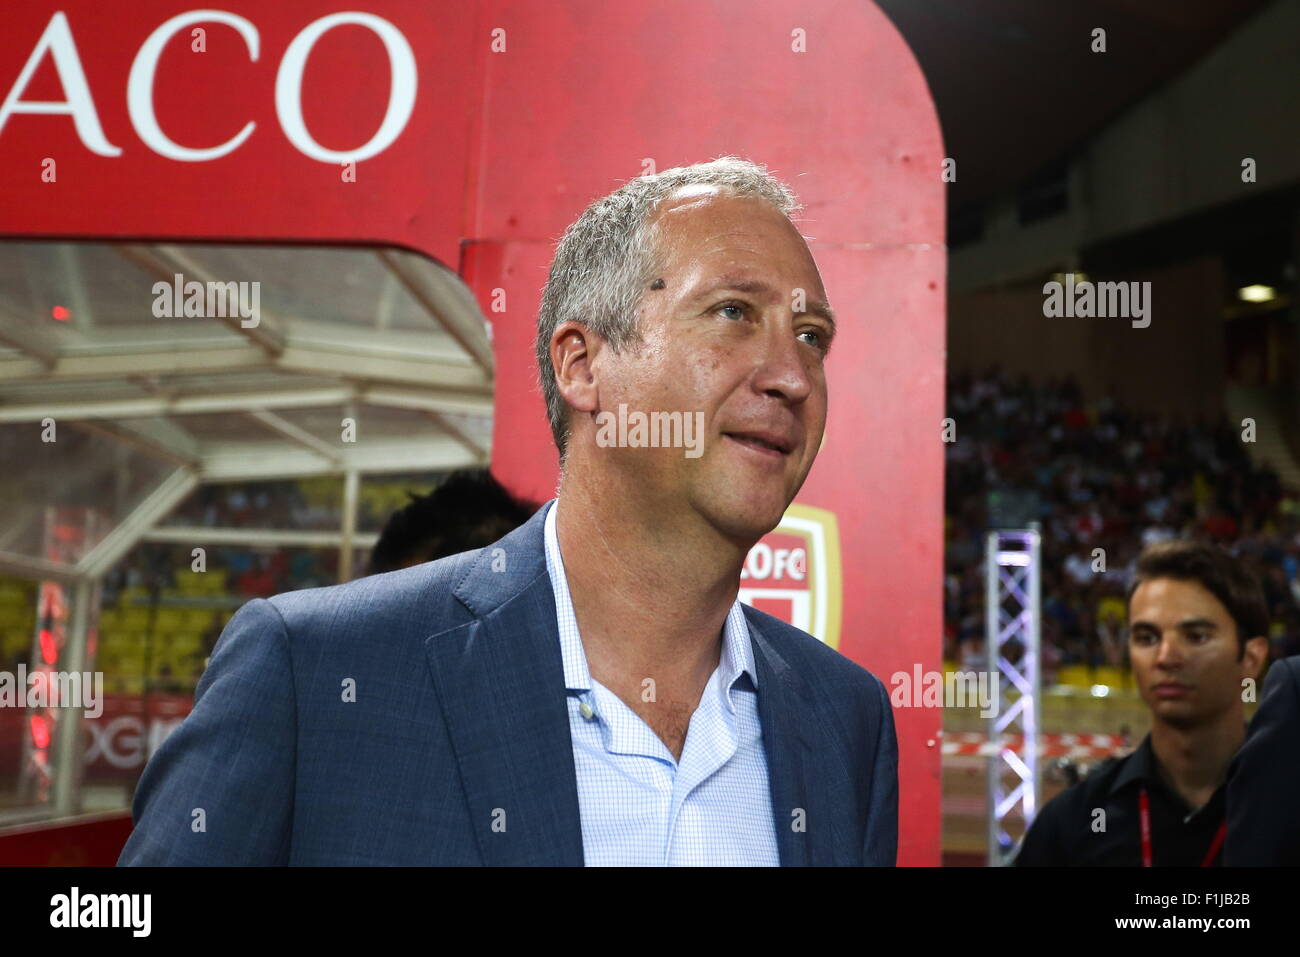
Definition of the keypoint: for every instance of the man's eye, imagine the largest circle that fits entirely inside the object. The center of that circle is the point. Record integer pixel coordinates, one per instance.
(819, 339)
(738, 306)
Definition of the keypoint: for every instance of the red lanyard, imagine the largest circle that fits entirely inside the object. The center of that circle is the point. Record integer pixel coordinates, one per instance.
(1144, 818)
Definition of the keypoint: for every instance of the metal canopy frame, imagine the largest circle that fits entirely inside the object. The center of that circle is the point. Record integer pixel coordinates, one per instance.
(314, 366)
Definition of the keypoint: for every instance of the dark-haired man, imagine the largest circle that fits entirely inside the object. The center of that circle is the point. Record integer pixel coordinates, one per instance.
(1197, 621)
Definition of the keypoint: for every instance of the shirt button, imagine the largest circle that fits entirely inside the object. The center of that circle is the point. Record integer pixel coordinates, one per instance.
(585, 710)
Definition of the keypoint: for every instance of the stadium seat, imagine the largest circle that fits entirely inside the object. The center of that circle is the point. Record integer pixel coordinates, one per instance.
(1075, 676)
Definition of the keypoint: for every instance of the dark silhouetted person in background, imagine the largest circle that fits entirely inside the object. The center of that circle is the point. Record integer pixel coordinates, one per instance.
(470, 509)
(1264, 785)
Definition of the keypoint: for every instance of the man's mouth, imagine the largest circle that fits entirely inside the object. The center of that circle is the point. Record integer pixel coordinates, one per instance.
(765, 442)
(1170, 689)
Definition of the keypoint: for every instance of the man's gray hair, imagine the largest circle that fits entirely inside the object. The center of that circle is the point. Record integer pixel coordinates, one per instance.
(607, 256)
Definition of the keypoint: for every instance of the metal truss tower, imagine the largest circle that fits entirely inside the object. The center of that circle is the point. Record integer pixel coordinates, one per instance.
(1012, 637)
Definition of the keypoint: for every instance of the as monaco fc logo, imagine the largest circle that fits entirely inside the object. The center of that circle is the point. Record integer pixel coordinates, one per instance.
(793, 573)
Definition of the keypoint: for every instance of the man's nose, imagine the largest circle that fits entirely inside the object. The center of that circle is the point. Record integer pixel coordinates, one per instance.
(782, 371)
(1168, 653)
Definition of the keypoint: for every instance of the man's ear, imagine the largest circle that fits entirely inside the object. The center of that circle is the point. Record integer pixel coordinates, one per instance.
(573, 349)
(1254, 656)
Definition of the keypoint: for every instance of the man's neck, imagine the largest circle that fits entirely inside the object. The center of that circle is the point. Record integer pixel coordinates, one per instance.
(651, 590)
(1194, 761)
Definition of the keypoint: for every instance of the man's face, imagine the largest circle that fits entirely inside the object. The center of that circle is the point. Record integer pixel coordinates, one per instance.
(1183, 647)
(728, 337)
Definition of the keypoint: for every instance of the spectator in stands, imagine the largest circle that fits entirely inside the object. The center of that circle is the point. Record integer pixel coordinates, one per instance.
(1107, 478)
(469, 510)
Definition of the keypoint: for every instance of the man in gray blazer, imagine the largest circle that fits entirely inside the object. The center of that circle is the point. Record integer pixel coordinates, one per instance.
(588, 690)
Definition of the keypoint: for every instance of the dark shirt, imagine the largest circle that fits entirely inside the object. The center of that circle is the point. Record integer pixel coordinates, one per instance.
(1064, 833)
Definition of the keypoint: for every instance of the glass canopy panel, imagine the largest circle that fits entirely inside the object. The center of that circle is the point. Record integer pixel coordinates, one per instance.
(477, 428)
(373, 424)
(321, 283)
(310, 504)
(65, 495)
(94, 295)
(136, 396)
(91, 295)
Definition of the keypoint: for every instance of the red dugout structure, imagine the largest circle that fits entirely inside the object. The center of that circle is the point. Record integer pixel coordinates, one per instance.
(473, 133)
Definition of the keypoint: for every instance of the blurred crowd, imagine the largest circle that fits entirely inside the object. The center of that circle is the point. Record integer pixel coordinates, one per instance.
(245, 572)
(307, 505)
(1096, 475)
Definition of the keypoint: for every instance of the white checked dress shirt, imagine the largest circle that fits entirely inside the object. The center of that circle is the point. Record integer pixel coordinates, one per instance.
(640, 806)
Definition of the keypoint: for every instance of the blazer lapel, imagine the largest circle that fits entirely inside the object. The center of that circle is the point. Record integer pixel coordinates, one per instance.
(785, 709)
(500, 681)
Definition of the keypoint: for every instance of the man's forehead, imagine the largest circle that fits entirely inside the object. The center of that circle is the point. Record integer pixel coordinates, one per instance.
(1171, 601)
(719, 227)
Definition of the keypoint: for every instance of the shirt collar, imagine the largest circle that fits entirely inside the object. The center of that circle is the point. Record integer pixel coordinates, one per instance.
(1140, 768)
(737, 652)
